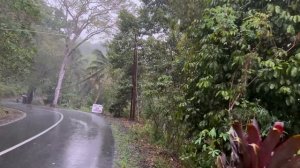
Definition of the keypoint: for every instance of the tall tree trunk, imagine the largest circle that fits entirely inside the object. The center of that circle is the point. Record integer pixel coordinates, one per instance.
(133, 110)
(61, 76)
(30, 94)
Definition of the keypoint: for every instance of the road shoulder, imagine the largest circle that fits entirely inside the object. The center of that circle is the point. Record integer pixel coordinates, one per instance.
(134, 151)
(8, 115)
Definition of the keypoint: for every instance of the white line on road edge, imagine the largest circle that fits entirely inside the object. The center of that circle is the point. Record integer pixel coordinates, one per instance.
(21, 118)
(34, 137)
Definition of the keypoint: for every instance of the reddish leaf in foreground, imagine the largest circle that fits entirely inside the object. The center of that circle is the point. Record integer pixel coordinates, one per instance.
(253, 151)
(292, 163)
(267, 147)
(253, 135)
(242, 144)
(279, 126)
(221, 161)
(248, 151)
(285, 151)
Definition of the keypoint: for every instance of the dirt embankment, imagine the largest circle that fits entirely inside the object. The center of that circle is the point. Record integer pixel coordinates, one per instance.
(8, 115)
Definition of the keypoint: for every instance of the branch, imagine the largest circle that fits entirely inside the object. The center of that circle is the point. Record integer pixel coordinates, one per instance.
(67, 8)
(244, 85)
(87, 38)
(79, 29)
(294, 44)
(252, 81)
(231, 104)
(85, 79)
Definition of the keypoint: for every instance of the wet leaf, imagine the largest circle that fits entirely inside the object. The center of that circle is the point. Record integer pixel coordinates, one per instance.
(285, 151)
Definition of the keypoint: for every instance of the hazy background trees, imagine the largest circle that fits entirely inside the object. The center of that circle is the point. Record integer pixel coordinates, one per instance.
(201, 64)
(82, 21)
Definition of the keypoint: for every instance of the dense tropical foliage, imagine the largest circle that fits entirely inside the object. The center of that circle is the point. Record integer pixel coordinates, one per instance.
(201, 65)
(17, 47)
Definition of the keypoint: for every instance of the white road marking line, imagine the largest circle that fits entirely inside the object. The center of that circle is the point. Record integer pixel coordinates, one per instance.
(34, 137)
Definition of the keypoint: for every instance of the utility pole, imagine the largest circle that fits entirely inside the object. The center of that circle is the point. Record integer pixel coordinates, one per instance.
(133, 108)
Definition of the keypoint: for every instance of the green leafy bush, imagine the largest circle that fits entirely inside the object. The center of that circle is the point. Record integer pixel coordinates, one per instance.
(8, 91)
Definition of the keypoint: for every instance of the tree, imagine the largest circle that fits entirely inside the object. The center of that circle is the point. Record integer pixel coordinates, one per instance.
(241, 61)
(235, 56)
(82, 21)
(124, 46)
(123, 55)
(134, 93)
(129, 25)
(17, 45)
(74, 93)
(49, 46)
(96, 71)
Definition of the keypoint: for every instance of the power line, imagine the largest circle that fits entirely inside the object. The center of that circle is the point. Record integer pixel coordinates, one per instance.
(34, 31)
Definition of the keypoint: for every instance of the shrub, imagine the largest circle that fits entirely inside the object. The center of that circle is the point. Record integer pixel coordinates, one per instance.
(249, 150)
(8, 91)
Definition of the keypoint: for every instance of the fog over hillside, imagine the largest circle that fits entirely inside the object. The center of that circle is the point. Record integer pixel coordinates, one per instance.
(87, 48)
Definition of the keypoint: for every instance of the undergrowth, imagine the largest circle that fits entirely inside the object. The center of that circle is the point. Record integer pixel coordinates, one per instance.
(126, 157)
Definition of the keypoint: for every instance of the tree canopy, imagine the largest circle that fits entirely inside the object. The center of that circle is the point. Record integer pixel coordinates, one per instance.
(193, 67)
(17, 48)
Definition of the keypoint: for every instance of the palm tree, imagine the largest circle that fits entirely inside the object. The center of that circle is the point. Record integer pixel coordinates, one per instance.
(97, 71)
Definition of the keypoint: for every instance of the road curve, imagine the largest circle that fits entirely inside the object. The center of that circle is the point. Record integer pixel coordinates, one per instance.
(55, 138)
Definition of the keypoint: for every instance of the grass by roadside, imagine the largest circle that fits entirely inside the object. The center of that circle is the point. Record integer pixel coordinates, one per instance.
(3, 112)
(8, 115)
(136, 151)
(126, 155)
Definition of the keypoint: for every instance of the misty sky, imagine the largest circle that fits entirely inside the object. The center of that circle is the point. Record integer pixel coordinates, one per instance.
(96, 39)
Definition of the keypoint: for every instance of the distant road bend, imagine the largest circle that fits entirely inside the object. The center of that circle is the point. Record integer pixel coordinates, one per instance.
(55, 138)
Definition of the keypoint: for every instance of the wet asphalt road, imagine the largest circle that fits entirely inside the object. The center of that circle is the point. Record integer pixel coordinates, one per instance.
(80, 140)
